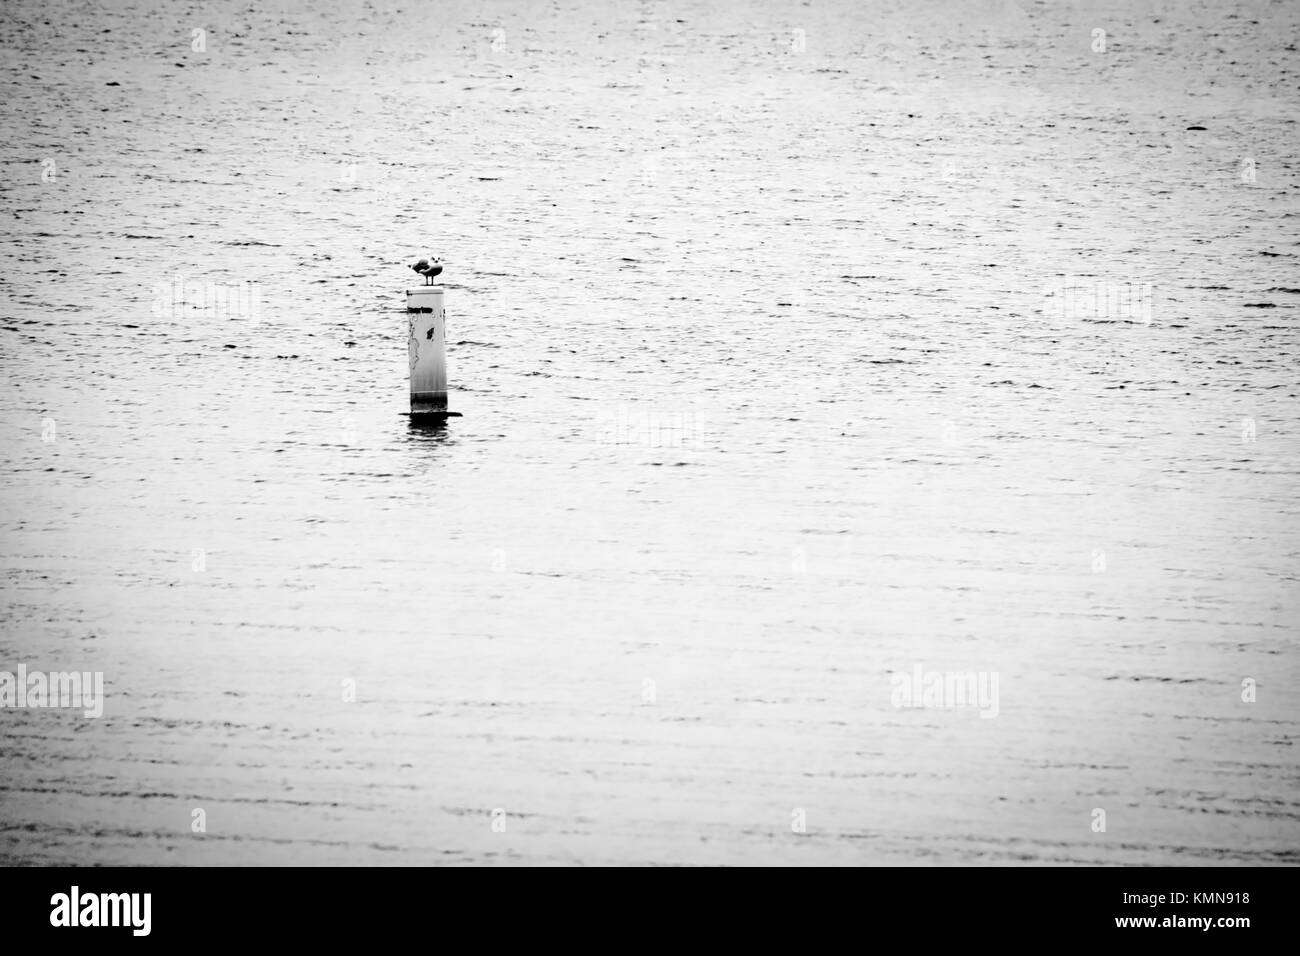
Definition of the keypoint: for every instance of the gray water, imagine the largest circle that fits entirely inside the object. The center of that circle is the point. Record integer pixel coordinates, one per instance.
(764, 401)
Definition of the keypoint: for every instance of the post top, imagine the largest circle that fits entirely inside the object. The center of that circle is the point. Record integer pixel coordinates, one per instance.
(427, 290)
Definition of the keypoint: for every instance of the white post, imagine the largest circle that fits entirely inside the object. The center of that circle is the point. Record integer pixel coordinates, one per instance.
(428, 350)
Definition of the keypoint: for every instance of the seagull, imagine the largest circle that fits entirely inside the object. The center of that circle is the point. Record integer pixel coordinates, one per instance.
(428, 268)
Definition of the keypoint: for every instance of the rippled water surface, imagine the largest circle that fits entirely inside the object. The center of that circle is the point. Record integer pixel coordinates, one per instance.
(763, 402)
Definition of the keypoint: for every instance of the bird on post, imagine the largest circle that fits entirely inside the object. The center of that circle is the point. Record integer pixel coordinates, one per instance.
(429, 268)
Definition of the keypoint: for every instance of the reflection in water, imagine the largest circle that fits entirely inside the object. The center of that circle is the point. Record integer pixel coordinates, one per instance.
(429, 424)
(425, 433)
